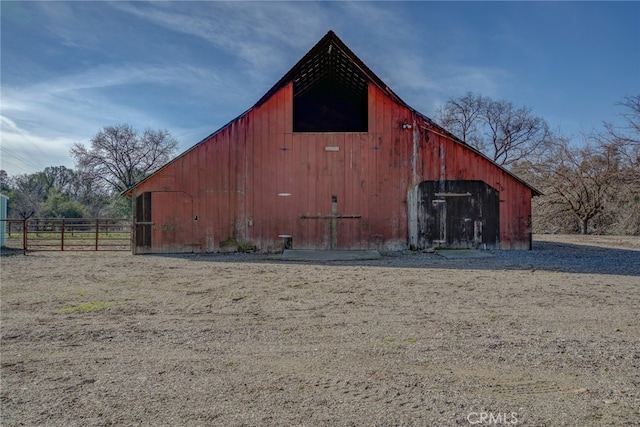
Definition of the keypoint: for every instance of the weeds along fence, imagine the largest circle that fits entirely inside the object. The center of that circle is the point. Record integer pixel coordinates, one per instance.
(68, 234)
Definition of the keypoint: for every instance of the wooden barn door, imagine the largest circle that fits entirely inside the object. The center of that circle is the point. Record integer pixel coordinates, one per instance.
(458, 214)
(173, 222)
(143, 223)
(164, 223)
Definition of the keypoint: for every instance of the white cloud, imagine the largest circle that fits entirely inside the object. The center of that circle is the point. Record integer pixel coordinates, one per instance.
(41, 121)
(257, 44)
(260, 34)
(425, 83)
(270, 36)
(24, 152)
(111, 75)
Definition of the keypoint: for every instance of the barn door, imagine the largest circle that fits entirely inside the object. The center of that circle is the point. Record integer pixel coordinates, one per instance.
(143, 223)
(173, 223)
(164, 223)
(458, 214)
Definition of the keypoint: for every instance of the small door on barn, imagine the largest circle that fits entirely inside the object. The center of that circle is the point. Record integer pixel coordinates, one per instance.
(164, 223)
(142, 223)
(458, 214)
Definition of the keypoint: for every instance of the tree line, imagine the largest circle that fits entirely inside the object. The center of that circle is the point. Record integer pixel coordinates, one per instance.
(589, 186)
(116, 158)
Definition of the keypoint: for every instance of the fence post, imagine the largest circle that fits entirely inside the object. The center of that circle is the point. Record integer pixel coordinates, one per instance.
(62, 236)
(97, 231)
(24, 237)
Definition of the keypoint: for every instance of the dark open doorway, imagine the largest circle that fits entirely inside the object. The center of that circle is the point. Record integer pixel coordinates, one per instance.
(143, 221)
(330, 94)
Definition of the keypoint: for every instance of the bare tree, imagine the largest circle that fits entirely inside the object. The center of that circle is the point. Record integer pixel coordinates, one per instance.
(505, 133)
(580, 182)
(4, 181)
(29, 191)
(462, 116)
(588, 187)
(119, 157)
(624, 139)
(514, 133)
(626, 136)
(629, 131)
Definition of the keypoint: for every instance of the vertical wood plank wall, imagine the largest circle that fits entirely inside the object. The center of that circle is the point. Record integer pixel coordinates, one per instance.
(255, 180)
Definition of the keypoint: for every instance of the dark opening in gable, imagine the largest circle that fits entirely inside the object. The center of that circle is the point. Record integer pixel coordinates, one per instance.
(330, 94)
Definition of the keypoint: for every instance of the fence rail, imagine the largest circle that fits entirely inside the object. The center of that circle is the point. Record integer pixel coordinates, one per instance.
(68, 234)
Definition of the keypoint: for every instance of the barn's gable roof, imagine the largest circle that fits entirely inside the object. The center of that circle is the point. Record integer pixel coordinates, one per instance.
(331, 58)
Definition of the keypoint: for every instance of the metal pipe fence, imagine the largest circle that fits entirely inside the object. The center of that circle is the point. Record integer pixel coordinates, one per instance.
(68, 234)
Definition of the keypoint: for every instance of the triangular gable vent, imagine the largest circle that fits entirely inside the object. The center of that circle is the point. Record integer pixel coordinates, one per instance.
(330, 89)
(330, 94)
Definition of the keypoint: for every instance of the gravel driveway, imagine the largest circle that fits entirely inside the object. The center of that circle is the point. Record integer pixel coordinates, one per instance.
(543, 337)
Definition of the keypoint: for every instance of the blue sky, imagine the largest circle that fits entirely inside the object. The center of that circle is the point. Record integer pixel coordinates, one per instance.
(70, 68)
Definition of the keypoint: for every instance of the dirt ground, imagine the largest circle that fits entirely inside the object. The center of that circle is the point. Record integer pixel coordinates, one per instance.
(109, 338)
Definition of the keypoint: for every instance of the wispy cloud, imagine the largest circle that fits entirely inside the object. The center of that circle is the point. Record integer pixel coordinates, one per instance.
(22, 151)
(252, 44)
(415, 61)
(84, 97)
(428, 90)
(425, 86)
(47, 117)
(260, 34)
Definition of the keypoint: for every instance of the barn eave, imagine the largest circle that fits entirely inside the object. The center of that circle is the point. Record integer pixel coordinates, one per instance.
(331, 55)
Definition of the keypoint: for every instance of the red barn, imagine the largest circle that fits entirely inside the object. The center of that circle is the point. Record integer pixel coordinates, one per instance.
(330, 158)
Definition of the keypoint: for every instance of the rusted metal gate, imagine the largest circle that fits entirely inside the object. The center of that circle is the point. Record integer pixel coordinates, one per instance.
(68, 234)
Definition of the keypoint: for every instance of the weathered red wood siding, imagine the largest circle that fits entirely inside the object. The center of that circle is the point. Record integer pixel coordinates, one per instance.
(446, 159)
(255, 180)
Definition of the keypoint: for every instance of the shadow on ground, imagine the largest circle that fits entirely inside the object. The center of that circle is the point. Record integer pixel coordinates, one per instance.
(549, 256)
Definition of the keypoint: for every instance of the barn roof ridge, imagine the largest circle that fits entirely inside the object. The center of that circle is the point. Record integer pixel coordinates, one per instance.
(308, 65)
(324, 48)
